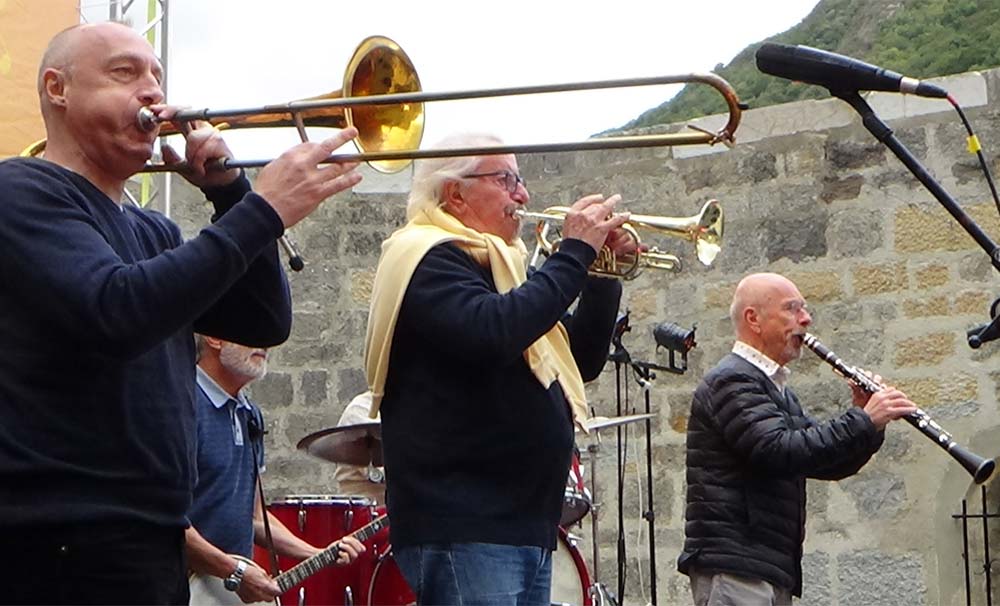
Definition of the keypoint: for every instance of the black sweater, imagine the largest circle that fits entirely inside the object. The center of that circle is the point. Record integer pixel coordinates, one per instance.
(97, 311)
(749, 451)
(476, 450)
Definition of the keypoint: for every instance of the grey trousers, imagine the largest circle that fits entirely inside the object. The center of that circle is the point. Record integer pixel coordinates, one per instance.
(725, 589)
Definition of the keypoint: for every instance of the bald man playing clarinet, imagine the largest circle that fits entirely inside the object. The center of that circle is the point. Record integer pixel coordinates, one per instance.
(750, 448)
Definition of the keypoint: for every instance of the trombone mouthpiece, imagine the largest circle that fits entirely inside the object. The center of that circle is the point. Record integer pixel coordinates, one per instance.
(146, 120)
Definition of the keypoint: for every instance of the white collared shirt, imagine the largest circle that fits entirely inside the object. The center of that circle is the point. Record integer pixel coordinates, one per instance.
(774, 371)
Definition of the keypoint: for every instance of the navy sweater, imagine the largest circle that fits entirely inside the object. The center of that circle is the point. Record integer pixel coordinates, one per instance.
(476, 449)
(97, 311)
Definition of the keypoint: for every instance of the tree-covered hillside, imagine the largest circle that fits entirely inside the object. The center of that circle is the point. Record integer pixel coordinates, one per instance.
(919, 38)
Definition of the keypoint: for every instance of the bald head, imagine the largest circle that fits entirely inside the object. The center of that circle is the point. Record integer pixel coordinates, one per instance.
(68, 45)
(59, 53)
(769, 313)
(755, 291)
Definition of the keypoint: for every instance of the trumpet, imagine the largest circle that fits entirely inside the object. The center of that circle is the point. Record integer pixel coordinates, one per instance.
(703, 229)
(980, 468)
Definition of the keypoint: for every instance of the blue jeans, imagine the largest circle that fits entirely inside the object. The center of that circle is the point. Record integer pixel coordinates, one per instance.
(477, 574)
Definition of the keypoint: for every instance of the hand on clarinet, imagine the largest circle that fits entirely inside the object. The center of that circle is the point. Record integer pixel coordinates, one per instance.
(883, 406)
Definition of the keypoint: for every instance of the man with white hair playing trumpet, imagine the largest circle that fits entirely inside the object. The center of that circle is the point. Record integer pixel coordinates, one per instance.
(478, 372)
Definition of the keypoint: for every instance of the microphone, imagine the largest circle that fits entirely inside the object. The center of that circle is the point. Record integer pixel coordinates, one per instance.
(837, 73)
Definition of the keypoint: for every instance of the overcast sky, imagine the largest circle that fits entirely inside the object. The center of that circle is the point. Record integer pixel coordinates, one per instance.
(245, 53)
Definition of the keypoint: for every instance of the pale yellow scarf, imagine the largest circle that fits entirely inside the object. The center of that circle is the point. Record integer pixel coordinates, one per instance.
(549, 358)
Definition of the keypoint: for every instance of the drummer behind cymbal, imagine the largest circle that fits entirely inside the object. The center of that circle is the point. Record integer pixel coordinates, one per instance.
(364, 480)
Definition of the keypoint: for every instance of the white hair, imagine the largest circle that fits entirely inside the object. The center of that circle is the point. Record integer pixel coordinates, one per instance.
(430, 175)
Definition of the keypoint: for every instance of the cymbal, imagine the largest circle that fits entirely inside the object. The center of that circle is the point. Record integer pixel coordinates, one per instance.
(599, 423)
(359, 444)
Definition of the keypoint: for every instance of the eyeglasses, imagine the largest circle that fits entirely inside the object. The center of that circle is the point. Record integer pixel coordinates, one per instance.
(510, 180)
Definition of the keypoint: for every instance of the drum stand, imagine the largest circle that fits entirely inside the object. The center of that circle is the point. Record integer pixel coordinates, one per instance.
(599, 594)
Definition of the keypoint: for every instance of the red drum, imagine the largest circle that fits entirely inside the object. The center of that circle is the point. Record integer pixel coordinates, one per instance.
(321, 520)
(570, 579)
(576, 501)
(388, 587)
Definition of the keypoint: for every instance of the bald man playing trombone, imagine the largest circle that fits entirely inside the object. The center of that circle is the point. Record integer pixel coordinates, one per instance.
(97, 314)
(478, 373)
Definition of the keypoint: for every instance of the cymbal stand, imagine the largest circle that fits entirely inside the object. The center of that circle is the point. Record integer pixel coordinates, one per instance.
(599, 594)
(621, 357)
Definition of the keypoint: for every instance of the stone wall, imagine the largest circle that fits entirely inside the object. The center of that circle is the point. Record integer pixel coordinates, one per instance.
(892, 280)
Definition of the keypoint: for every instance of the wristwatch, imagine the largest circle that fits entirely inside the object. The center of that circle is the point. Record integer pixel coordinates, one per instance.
(232, 582)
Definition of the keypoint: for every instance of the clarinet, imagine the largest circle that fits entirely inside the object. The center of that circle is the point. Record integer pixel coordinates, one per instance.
(978, 467)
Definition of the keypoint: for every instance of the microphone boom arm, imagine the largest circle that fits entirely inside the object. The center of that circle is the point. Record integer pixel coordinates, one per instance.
(884, 134)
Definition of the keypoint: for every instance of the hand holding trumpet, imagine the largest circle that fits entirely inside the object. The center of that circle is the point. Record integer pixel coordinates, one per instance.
(592, 220)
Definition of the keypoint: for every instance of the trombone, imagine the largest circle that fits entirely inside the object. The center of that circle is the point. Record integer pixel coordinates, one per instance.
(381, 96)
(389, 137)
(703, 229)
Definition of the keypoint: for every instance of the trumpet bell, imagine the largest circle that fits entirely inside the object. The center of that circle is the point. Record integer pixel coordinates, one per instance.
(708, 233)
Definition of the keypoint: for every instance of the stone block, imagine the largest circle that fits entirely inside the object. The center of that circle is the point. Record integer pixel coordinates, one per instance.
(308, 325)
(927, 306)
(854, 234)
(364, 243)
(793, 118)
(926, 350)
(718, 295)
(350, 382)
(880, 312)
(875, 577)
(758, 167)
(854, 155)
(817, 579)
(876, 494)
(361, 286)
(972, 303)
(817, 286)
(836, 313)
(931, 275)
(880, 278)
(841, 188)
(927, 392)
(314, 391)
(976, 267)
(273, 390)
(930, 228)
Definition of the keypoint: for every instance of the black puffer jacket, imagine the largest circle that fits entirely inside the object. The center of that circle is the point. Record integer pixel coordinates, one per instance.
(749, 451)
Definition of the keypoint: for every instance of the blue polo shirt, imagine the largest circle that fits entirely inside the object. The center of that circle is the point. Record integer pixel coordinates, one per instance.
(222, 508)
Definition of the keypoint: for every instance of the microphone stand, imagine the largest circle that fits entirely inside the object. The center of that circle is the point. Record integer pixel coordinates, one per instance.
(645, 376)
(884, 134)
